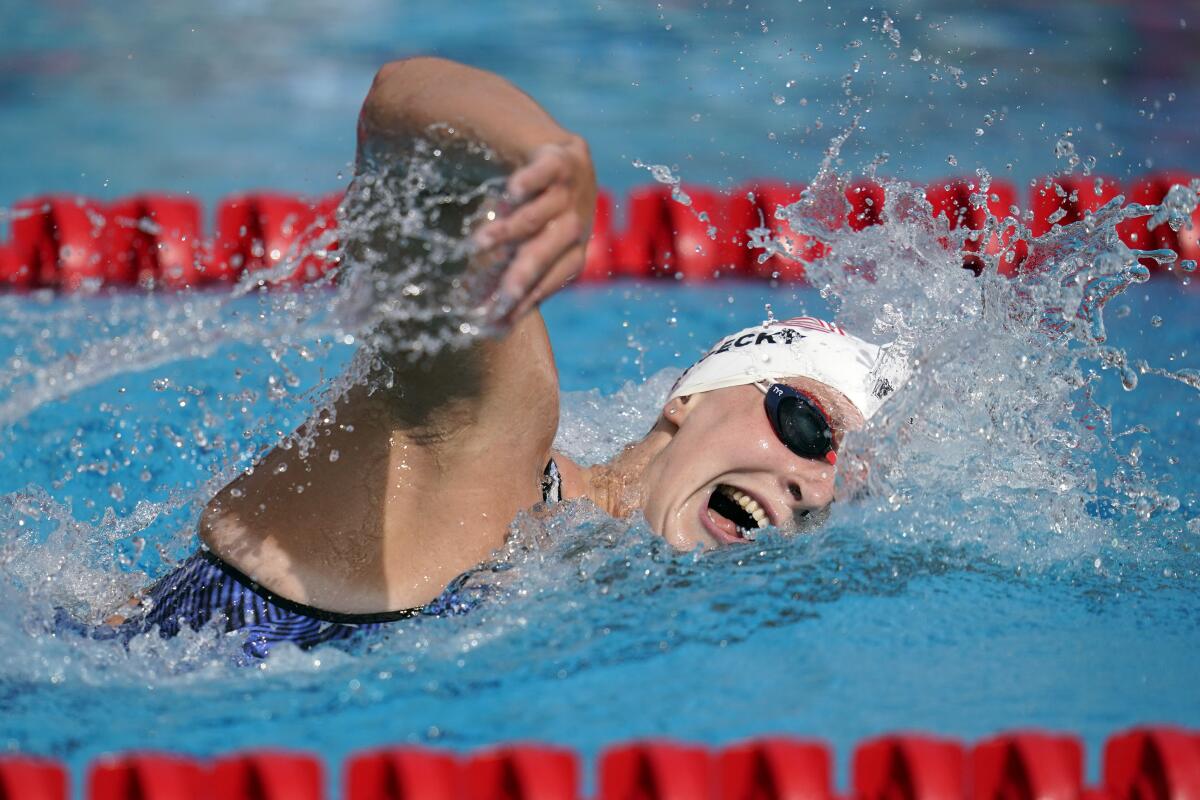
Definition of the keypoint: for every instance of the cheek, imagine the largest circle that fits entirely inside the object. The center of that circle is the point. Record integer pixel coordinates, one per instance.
(818, 482)
(739, 434)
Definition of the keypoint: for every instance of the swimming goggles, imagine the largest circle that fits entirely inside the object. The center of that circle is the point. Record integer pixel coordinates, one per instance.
(799, 422)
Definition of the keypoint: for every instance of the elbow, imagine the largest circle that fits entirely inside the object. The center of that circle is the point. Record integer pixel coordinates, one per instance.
(389, 82)
(395, 90)
(392, 73)
(391, 92)
(407, 73)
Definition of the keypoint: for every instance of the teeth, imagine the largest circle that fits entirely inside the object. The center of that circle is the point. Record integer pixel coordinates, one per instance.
(748, 503)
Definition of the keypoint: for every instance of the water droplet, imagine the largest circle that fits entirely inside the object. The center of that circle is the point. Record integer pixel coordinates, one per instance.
(952, 160)
(915, 56)
(1156, 321)
(778, 99)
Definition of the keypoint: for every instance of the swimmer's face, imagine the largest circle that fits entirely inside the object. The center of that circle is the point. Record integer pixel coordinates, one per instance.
(724, 466)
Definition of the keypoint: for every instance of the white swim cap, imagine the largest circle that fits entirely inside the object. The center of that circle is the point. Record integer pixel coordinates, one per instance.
(866, 374)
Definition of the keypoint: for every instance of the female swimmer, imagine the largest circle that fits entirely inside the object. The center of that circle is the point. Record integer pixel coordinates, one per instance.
(309, 548)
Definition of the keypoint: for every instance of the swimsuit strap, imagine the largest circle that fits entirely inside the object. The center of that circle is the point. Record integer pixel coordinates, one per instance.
(551, 483)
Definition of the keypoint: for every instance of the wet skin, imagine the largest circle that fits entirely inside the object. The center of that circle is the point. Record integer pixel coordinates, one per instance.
(430, 476)
(725, 437)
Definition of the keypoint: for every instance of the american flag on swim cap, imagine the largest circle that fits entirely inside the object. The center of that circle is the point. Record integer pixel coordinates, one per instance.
(811, 323)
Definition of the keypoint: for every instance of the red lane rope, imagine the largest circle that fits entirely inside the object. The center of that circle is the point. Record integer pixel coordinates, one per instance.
(1152, 763)
(156, 241)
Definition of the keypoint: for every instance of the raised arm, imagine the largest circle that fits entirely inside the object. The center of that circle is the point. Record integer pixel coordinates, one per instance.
(552, 183)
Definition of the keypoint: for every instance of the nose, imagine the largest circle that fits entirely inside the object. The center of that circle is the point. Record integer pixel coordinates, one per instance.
(810, 489)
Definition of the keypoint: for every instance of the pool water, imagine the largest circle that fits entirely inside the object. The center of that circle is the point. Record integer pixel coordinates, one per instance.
(245, 94)
(1025, 551)
(868, 626)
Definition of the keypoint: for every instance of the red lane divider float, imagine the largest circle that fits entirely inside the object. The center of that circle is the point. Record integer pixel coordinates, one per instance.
(959, 201)
(401, 774)
(247, 776)
(909, 767)
(801, 249)
(1142, 764)
(655, 771)
(776, 769)
(58, 241)
(510, 773)
(1062, 201)
(155, 238)
(1153, 764)
(263, 231)
(268, 776)
(74, 243)
(1028, 766)
(148, 776)
(1152, 189)
(31, 779)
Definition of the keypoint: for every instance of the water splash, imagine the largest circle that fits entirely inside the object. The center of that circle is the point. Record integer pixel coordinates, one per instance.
(1001, 454)
(168, 397)
(999, 440)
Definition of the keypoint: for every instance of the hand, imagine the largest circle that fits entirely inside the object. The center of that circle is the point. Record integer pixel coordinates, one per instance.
(548, 229)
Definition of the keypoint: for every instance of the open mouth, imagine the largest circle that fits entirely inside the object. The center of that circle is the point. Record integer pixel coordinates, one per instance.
(736, 512)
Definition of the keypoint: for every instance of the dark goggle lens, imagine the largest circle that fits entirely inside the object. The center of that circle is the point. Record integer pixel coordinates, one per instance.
(799, 423)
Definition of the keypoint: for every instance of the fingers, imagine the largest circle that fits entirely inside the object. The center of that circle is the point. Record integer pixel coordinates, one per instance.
(547, 167)
(541, 266)
(526, 220)
(547, 231)
(539, 254)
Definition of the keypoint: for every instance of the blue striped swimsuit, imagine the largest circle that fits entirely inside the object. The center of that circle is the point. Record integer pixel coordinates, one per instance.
(204, 588)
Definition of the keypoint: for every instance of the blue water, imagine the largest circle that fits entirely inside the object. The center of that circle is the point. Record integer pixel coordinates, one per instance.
(229, 96)
(851, 633)
(970, 606)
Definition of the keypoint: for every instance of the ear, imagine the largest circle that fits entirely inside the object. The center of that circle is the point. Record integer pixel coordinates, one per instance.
(677, 409)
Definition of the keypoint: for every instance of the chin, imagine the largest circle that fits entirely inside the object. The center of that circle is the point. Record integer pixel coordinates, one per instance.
(687, 541)
(678, 539)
